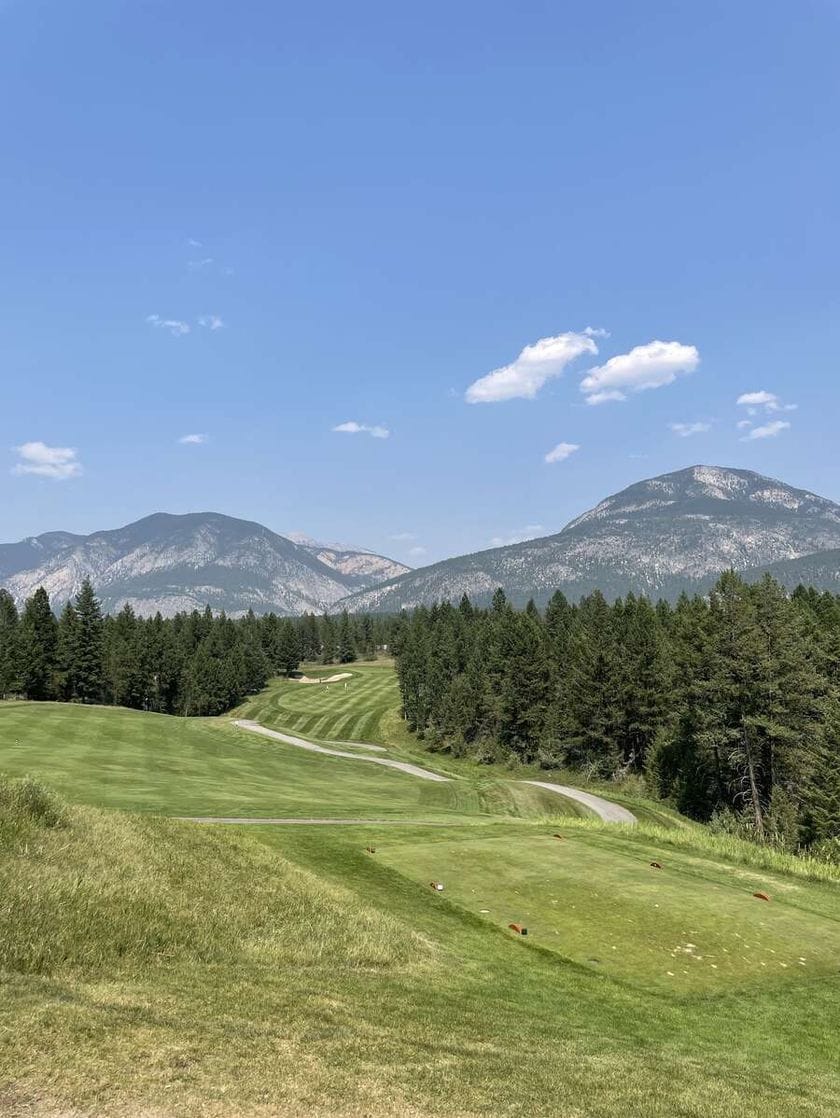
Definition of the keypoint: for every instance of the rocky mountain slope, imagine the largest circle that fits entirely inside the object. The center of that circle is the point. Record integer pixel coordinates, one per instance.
(657, 537)
(365, 567)
(172, 563)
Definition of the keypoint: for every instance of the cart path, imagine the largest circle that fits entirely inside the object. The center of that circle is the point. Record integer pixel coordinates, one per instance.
(302, 743)
(240, 820)
(604, 809)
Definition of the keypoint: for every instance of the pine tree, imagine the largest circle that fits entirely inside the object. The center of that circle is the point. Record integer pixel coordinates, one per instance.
(590, 712)
(87, 649)
(68, 625)
(328, 639)
(9, 645)
(346, 648)
(644, 685)
(38, 637)
(287, 647)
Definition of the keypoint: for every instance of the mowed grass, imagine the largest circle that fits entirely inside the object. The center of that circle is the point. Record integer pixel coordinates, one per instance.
(363, 708)
(367, 708)
(156, 968)
(693, 925)
(111, 757)
(160, 968)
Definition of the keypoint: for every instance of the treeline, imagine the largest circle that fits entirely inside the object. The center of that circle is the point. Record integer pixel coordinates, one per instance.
(193, 664)
(728, 706)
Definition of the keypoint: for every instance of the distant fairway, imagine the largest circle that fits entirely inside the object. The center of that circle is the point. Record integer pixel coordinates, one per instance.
(365, 707)
(112, 757)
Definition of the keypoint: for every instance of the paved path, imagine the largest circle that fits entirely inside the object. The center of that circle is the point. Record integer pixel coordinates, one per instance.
(302, 743)
(310, 822)
(609, 812)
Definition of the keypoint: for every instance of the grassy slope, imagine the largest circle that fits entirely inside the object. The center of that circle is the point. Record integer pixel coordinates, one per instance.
(150, 762)
(162, 967)
(366, 708)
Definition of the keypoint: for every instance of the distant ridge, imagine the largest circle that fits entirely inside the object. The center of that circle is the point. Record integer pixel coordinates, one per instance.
(168, 563)
(657, 537)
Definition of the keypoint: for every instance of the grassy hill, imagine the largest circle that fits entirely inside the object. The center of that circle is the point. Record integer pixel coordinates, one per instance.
(157, 967)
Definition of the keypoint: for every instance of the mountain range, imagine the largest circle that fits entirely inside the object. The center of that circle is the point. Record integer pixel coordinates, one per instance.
(658, 537)
(170, 563)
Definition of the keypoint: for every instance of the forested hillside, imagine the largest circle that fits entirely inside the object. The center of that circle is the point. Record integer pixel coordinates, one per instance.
(727, 705)
(195, 663)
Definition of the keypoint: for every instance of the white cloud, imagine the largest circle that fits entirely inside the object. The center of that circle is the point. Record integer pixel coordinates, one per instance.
(768, 431)
(646, 366)
(193, 243)
(417, 551)
(192, 440)
(685, 430)
(211, 322)
(743, 423)
(769, 401)
(351, 427)
(518, 535)
(197, 265)
(536, 364)
(561, 452)
(56, 462)
(173, 325)
(403, 537)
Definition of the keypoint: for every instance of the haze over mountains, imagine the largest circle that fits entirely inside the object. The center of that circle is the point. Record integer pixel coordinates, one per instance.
(170, 563)
(658, 537)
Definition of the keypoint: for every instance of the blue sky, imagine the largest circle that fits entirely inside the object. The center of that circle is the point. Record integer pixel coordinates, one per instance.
(256, 223)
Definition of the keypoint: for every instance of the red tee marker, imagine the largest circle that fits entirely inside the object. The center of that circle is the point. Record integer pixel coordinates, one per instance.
(519, 929)
(761, 896)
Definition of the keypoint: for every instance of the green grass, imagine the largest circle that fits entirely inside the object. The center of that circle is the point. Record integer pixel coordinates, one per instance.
(157, 968)
(595, 899)
(111, 757)
(364, 708)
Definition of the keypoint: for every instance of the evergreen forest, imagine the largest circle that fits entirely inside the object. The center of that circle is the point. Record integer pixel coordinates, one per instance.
(726, 705)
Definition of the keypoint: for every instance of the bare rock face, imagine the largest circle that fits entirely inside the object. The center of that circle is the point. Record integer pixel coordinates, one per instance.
(170, 563)
(658, 537)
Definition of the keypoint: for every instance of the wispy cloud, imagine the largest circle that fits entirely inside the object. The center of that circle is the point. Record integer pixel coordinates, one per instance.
(403, 537)
(767, 431)
(197, 265)
(561, 452)
(537, 364)
(56, 462)
(193, 243)
(351, 427)
(686, 430)
(646, 366)
(518, 535)
(211, 322)
(417, 551)
(192, 440)
(767, 402)
(173, 325)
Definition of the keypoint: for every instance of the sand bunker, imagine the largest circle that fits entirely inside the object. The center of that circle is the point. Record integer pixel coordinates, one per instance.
(325, 679)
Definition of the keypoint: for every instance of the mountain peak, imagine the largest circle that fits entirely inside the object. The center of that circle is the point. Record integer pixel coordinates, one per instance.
(182, 561)
(658, 536)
